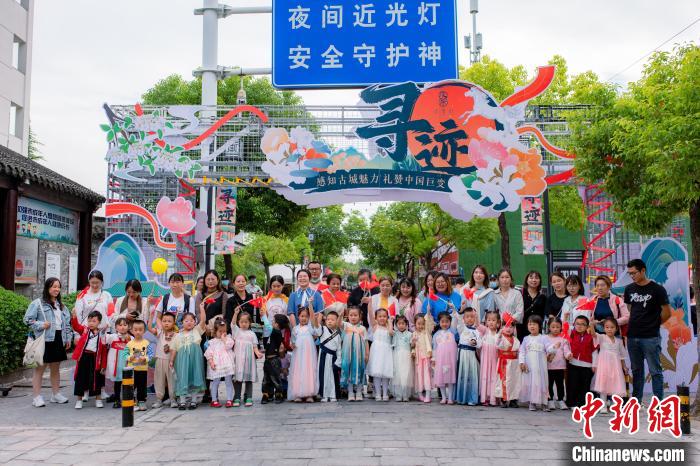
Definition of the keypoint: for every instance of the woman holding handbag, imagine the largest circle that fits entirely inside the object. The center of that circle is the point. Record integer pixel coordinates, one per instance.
(49, 319)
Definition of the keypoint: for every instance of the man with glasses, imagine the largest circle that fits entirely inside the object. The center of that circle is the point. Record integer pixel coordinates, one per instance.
(315, 271)
(648, 304)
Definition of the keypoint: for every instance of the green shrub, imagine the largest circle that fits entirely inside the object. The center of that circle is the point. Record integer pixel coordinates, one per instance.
(13, 332)
(69, 300)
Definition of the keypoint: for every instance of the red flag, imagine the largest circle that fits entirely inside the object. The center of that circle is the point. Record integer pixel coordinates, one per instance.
(374, 277)
(566, 334)
(257, 302)
(468, 293)
(507, 319)
(321, 287)
(364, 285)
(589, 305)
(432, 296)
(342, 296)
(392, 310)
(110, 308)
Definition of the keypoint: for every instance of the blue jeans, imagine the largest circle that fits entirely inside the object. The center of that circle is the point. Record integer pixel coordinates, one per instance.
(649, 349)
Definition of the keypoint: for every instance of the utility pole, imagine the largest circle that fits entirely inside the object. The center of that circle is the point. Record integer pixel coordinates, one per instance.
(474, 42)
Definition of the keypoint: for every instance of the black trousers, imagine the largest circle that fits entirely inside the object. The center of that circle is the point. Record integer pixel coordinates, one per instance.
(248, 391)
(578, 383)
(87, 378)
(272, 381)
(140, 385)
(556, 376)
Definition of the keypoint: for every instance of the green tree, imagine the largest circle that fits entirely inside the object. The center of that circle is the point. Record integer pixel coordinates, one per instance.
(33, 148)
(269, 250)
(643, 147)
(404, 234)
(259, 210)
(329, 237)
(566, 206)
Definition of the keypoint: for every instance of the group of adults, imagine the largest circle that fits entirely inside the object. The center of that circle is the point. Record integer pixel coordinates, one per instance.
(639, 312)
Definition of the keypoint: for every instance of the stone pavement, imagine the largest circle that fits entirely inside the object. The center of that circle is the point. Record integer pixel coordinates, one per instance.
(364, 433)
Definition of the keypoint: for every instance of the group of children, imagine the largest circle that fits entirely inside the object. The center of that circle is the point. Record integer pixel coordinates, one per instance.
(469, 362)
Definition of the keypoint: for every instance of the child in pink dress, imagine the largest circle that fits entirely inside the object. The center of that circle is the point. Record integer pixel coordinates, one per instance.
(610, 366)
(556, 363)
(303, 370)
(245, 352)
(445, 359)
(220, 363)
(488, 376)
(422, 355)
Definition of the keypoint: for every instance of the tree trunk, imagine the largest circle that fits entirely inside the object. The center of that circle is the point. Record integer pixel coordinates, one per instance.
(505, 241)
(695, 243)
(228, 266)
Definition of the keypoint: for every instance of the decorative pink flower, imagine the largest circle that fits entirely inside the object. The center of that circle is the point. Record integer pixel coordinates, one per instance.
(175, 215)
(480, 151)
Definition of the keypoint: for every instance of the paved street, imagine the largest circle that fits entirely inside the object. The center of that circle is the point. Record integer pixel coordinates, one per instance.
(366, 433)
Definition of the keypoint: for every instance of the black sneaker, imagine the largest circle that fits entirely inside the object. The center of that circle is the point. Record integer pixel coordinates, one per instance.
(117, 404)
(192, 406)
(513, 404)
(279, 399)
(182, 406)
(111, 399)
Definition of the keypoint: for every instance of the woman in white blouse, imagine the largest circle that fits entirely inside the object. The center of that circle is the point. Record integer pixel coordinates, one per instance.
(94, 299)
(132, 306)
(508, 299)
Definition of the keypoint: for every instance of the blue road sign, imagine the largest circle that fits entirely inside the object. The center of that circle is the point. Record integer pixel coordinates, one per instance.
(356, 43)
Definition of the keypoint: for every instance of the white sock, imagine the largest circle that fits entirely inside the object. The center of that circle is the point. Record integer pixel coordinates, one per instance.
(378, 386)
(449, 390)
(385, 388)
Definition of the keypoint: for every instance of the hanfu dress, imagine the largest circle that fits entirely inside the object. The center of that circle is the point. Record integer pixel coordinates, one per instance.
(402, 381)
(189, 362)
(445, 357)
(535, 386)
(508, 382)
(221, 352)
(468, 373)
(381, 358)
(245, 367)
(303, 379)
(329, 363)
(423, 353)
(488, 370)
(116, 356)
(353, 354)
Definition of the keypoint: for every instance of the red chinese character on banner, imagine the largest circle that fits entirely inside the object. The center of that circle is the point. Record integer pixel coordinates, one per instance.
(625, 415)
(665, 414)
(586, 413)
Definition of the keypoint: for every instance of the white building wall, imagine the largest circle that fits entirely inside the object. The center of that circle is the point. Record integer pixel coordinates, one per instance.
(16, 20)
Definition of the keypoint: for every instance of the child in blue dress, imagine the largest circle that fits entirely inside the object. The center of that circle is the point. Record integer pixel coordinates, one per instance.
(468, 366)
(187, 359)
(355, 352)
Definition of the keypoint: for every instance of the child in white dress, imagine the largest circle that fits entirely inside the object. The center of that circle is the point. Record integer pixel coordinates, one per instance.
(220, 363)
(381, 358)
(533, 363)
(245, 351)
(402, 382)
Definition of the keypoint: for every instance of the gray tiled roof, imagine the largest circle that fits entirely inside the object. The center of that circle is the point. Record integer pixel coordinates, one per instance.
(17, 166)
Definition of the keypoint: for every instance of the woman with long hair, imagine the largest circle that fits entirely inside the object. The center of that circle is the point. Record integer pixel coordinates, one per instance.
(477, 294)
(534, 301)
(409, 304)
(48, 316)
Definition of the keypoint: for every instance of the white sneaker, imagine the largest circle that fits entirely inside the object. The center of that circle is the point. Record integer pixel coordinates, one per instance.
(332, 400)
(358, 396)
(38, 402)
(323, 400)
(532, 407)
(550, 405)
(99, 404)
(562, 405)
(385, 398)
(86, 396)
(173, 404)
(364, 390)
(605, 409)
(79, 404)
(58, 398)
(351, 396)
(157, 404)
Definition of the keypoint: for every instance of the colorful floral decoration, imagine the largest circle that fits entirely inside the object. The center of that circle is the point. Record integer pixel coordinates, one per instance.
(175, 216)
(450, 143)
